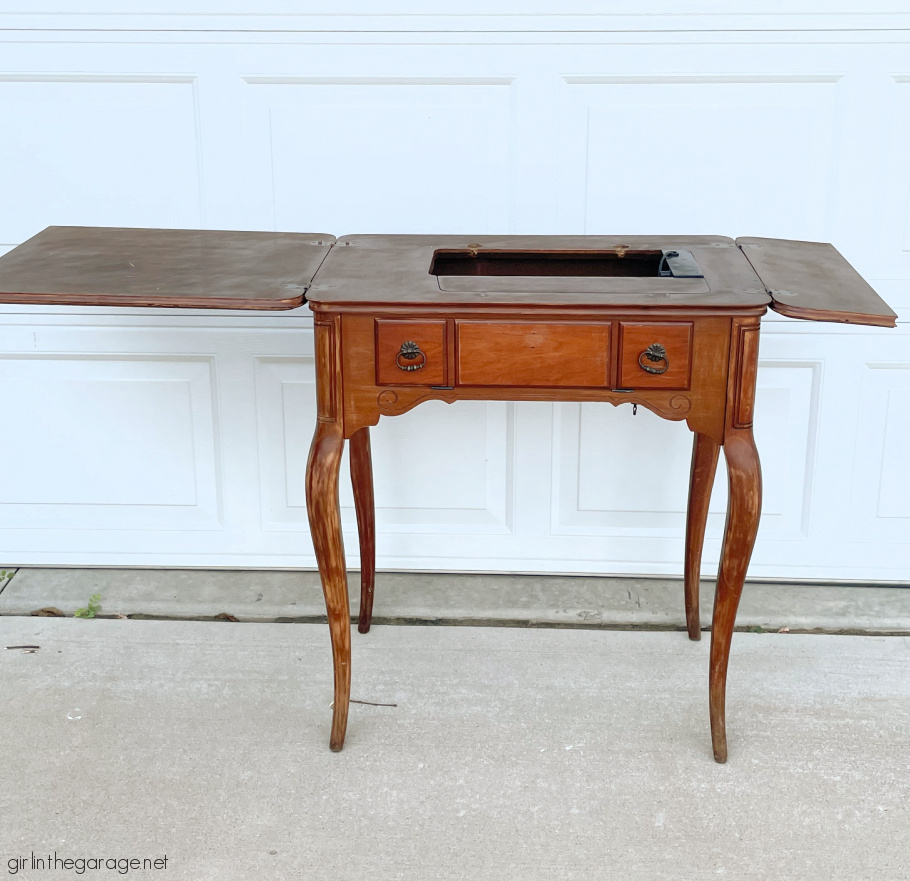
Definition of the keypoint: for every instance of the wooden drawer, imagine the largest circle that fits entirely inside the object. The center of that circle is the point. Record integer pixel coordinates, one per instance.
(410, 352)
(646, 348)
(551, 355)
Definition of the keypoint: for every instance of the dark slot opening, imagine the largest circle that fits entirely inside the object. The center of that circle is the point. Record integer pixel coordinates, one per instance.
(594, 264)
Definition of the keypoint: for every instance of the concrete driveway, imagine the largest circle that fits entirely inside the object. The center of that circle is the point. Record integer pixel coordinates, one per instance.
(508, 754)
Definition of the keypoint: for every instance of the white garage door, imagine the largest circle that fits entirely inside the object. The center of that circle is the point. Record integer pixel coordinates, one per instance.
(149, 437)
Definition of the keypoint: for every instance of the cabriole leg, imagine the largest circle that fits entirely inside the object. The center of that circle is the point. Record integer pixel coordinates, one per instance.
(325, 525)
(705, 452)
(743, 510)
(362, 480)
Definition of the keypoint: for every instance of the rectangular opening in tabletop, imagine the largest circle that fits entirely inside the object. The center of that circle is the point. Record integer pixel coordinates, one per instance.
(590, 264)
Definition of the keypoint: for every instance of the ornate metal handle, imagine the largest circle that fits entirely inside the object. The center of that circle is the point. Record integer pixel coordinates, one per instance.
(654, 353)
(410, 351)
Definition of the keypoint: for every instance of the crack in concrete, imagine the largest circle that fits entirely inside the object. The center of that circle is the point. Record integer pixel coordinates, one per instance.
(530, 624)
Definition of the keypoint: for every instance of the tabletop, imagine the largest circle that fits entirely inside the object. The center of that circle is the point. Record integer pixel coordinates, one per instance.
(228, 269)
(187, 268)
(810, 280)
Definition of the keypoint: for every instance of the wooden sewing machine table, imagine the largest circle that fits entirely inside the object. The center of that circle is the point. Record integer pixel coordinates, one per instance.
(668, 323)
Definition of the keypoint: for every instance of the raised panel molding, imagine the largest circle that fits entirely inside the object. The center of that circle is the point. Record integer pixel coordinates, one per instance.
(624, 476)
(786, 427)
(901, 144)
(105, 150)
(615, 474)
(392, 154)
(438, 469)
(640, 147)
(446, 468)
(894, 220)
(285, 416)
(881, 479)
(108, 442)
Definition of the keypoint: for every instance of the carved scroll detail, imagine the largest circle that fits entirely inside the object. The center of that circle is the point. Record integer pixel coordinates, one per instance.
(680, 404)
(674, 408)
(387, 399)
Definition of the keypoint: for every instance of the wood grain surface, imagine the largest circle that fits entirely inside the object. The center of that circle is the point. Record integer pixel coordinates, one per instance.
(183, 268)
(517, 353)
(812, 280)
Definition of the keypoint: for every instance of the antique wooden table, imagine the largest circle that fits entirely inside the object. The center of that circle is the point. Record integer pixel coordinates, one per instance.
(669, 323)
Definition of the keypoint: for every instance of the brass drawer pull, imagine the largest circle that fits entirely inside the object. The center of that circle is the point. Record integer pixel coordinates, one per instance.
(410, 351)
(655, 353)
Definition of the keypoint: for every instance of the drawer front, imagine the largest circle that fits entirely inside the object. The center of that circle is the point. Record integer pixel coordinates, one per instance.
(551, 355)
(410, 352)
(655, 355)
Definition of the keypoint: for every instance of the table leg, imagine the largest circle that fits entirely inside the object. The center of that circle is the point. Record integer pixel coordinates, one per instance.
(743, 510)
(325, 525)
(705, 451)
(362, 480)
